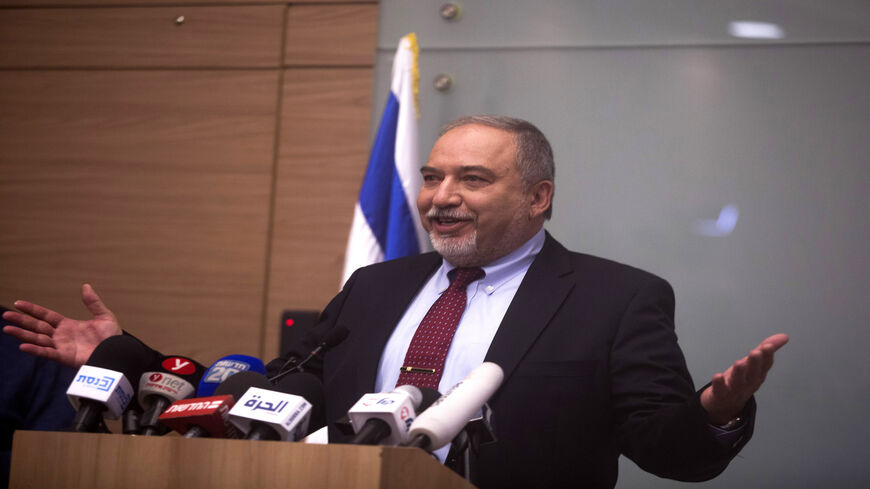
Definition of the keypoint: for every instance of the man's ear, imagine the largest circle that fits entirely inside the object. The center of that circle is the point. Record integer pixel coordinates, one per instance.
(540, 198)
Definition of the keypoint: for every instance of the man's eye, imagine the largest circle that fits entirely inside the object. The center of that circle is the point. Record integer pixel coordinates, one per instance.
(430, 178)
(473, 179)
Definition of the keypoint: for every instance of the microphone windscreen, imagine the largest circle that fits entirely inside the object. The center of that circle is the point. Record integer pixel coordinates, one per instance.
(170, 379)
(226, 367)
(102, 386)
(311, 388)
(186, 368)
(444, 419)
(429, 397)
(335, 336)
(238, 384)
(123, 354)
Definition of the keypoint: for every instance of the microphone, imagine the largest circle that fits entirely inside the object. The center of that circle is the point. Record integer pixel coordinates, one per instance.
(346, 428)
(385, 417)
(102, 386)
(217, 373)
(309, 387)
(335, 336)
(238, 384)
(436, 426)
(130, 419)
(202, 417)
(264, 414)
(172, 380)
(207, 415)
(222, 369)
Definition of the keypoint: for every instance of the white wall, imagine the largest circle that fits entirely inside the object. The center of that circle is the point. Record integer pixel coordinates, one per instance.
(659, 119)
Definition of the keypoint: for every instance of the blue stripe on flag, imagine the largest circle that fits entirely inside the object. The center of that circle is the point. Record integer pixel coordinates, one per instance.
(382, 198)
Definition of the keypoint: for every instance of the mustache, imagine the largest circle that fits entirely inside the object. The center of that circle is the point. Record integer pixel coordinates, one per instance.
(435, 213)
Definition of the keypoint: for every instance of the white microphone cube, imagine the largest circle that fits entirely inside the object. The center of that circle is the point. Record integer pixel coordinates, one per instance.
(394, 408)
(286, 413)
(105, 386)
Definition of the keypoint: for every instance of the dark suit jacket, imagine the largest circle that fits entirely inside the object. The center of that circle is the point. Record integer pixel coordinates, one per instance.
(591, 362)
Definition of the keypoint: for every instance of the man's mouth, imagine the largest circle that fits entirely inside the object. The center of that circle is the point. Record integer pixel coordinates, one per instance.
(445, 223)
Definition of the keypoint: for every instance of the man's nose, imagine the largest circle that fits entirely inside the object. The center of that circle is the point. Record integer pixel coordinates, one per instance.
(446, 195)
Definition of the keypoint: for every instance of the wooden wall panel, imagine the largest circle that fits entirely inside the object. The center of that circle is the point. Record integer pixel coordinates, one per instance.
(152, 185)
(112, 3)
(324, 145)
(131, 164)
(343, 35)
(239, 36)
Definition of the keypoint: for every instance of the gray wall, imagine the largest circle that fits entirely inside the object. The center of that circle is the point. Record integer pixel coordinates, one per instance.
(659, 120)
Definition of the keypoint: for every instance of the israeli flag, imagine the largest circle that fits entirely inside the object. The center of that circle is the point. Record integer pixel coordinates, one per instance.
(386, 224)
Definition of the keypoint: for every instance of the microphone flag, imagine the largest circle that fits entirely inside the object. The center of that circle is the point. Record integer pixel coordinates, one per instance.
(385, 222)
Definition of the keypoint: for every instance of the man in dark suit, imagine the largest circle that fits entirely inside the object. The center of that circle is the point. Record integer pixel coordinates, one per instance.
(591, 361)
(592, 366)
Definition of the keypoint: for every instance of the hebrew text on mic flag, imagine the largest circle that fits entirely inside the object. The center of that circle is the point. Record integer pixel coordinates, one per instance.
(385, 223)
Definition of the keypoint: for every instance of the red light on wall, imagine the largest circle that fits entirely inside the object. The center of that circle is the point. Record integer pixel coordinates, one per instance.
(289, 322)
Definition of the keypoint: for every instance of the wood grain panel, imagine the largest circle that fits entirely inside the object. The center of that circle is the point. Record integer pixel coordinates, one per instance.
(331, 35)
(154, 186)
(115, 461)
(228, 36)
(112, 3)
(324, 146)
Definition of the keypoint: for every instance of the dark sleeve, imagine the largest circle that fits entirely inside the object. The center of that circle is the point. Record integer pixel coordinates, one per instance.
(32, 397)
(33, 392)
(661, 424)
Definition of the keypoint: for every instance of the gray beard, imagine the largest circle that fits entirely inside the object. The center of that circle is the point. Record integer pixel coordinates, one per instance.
(459, 251)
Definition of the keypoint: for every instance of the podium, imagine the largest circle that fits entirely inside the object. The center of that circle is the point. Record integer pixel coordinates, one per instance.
(42, 459)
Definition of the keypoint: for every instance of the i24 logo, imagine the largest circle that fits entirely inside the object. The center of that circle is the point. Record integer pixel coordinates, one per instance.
(406, 416)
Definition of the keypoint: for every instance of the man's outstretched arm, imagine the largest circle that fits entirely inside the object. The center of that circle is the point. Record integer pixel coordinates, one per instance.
(49, 334)
(726, 396)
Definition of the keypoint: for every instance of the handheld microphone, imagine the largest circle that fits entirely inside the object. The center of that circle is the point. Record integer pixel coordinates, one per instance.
(436, 426)
(172, 380)
(201, 417)
(385, 417)
(102, 386)
(335, 336)
(222, 369)
(264, 414)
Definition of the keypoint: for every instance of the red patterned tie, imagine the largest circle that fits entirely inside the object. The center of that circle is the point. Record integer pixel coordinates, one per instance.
(424, 361)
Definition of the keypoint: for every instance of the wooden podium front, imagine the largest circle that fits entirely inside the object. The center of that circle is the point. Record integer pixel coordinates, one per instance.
(42, 459)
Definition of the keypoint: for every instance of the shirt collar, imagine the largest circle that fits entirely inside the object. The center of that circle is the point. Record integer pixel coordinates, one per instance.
(501, 270)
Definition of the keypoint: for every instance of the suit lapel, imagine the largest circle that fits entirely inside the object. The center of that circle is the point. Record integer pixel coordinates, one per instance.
(541, 293)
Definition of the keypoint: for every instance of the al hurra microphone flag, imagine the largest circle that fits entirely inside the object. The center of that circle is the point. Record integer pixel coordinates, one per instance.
(385, 222)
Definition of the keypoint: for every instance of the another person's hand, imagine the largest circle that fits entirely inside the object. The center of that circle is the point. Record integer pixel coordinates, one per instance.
(726, 396)
(49, 334)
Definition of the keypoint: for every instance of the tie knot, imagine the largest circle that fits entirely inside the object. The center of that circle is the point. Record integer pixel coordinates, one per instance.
(461, 277)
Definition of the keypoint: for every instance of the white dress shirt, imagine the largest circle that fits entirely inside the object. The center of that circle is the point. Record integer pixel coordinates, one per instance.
(487, 301)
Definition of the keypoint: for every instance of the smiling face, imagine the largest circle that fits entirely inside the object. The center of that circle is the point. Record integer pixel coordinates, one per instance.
(473, 202)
